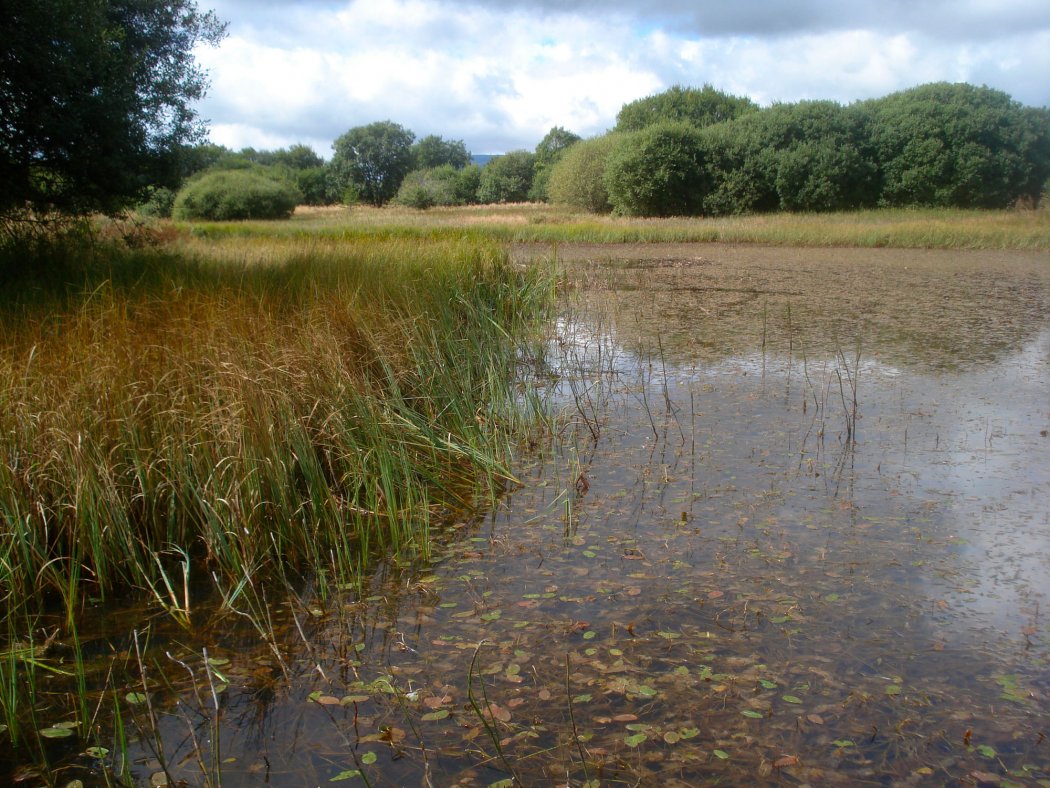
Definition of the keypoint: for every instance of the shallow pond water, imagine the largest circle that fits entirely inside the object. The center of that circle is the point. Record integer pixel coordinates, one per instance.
(795, 527)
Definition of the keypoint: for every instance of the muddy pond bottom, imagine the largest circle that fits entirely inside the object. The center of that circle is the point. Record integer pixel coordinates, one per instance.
(794, 527)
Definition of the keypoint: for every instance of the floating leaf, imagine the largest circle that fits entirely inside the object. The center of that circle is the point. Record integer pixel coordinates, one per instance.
(986, 751)
(55, 732)
(672, 737)
(844, 743)
(893, 689)
(689, 733)
(791, 699)
(432, 716)
(767, 683)
(96, 752)
(218, 662)
(636, 739)
(349, 774)
(584, 698)
(590, 634)
(752, 714)
(135, 698)
(492, 616)
(721, 754)
(369, 758)
(670, 635)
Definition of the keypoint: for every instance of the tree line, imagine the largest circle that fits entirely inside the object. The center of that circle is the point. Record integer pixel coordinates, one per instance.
(97, 114)
(699, 151)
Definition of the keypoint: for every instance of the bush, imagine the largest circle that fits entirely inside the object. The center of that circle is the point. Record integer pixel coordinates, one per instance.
(236, 194)
(578, 178)
(429, 187)
(659, 171)
(468, 182)
(507, 178)
(159, 205)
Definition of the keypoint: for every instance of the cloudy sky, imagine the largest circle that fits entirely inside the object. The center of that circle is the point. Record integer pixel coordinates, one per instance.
(499, 74)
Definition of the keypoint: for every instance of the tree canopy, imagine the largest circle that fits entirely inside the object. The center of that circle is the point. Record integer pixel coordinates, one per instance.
(699, 106)
(372, 161)
(434, 151)
(96, 100)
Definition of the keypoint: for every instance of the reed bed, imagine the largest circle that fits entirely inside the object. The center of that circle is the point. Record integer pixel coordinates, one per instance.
(241, 409)
(537, 223)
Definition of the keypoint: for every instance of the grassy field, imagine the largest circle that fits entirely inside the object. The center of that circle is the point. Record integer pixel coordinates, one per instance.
(535, 223)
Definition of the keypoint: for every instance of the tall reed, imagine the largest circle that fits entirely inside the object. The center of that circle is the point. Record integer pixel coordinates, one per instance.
(239, 408)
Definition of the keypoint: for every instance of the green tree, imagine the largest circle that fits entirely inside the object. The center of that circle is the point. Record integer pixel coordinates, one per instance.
(507, 178)
(549, 151)
(434, 151)
(701, 107)
(958, 145)
(578, 178)
(807, 156)
(372, 161)
(96, 100)
(659, 171)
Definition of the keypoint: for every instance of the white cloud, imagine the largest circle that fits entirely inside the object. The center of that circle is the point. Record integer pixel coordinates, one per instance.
(499, 75)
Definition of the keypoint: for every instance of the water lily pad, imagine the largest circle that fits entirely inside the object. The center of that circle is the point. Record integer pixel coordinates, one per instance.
(369, 758)
(755, 715)
(135, 698)
(635, 739)
(689, 733)
(432, 716)
(722, 754)
(893, 689)
(96, 752)
(791, 699)
(55, 732)
(986, 751)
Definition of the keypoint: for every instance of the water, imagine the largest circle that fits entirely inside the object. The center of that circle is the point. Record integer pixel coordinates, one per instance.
(795, 527)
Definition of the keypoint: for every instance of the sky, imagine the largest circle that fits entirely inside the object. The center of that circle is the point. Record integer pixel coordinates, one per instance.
(499, 74)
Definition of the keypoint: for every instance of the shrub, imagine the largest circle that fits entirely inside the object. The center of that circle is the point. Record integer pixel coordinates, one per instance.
(468, 181)
(658, 171)
(236, 194)
(159, 204)
(507, 178)
(429, 187)
(578, 178)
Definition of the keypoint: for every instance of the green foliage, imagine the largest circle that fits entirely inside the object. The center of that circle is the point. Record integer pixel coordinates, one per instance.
(809, 156)
(313, 183)
(700, 107)
(468, 182)
(434, 151)
(548, 153)
(578, 178)
(958, 145)
(372, 160)
(159, 204)
(97, 100)
(426, 188)
(224, 195)
(507, 178)
(659, 171)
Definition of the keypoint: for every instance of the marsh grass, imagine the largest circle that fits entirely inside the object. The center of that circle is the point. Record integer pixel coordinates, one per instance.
(538, 223)
(246, 409)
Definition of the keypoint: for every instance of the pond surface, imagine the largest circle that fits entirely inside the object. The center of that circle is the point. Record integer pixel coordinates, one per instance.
(794, 528)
